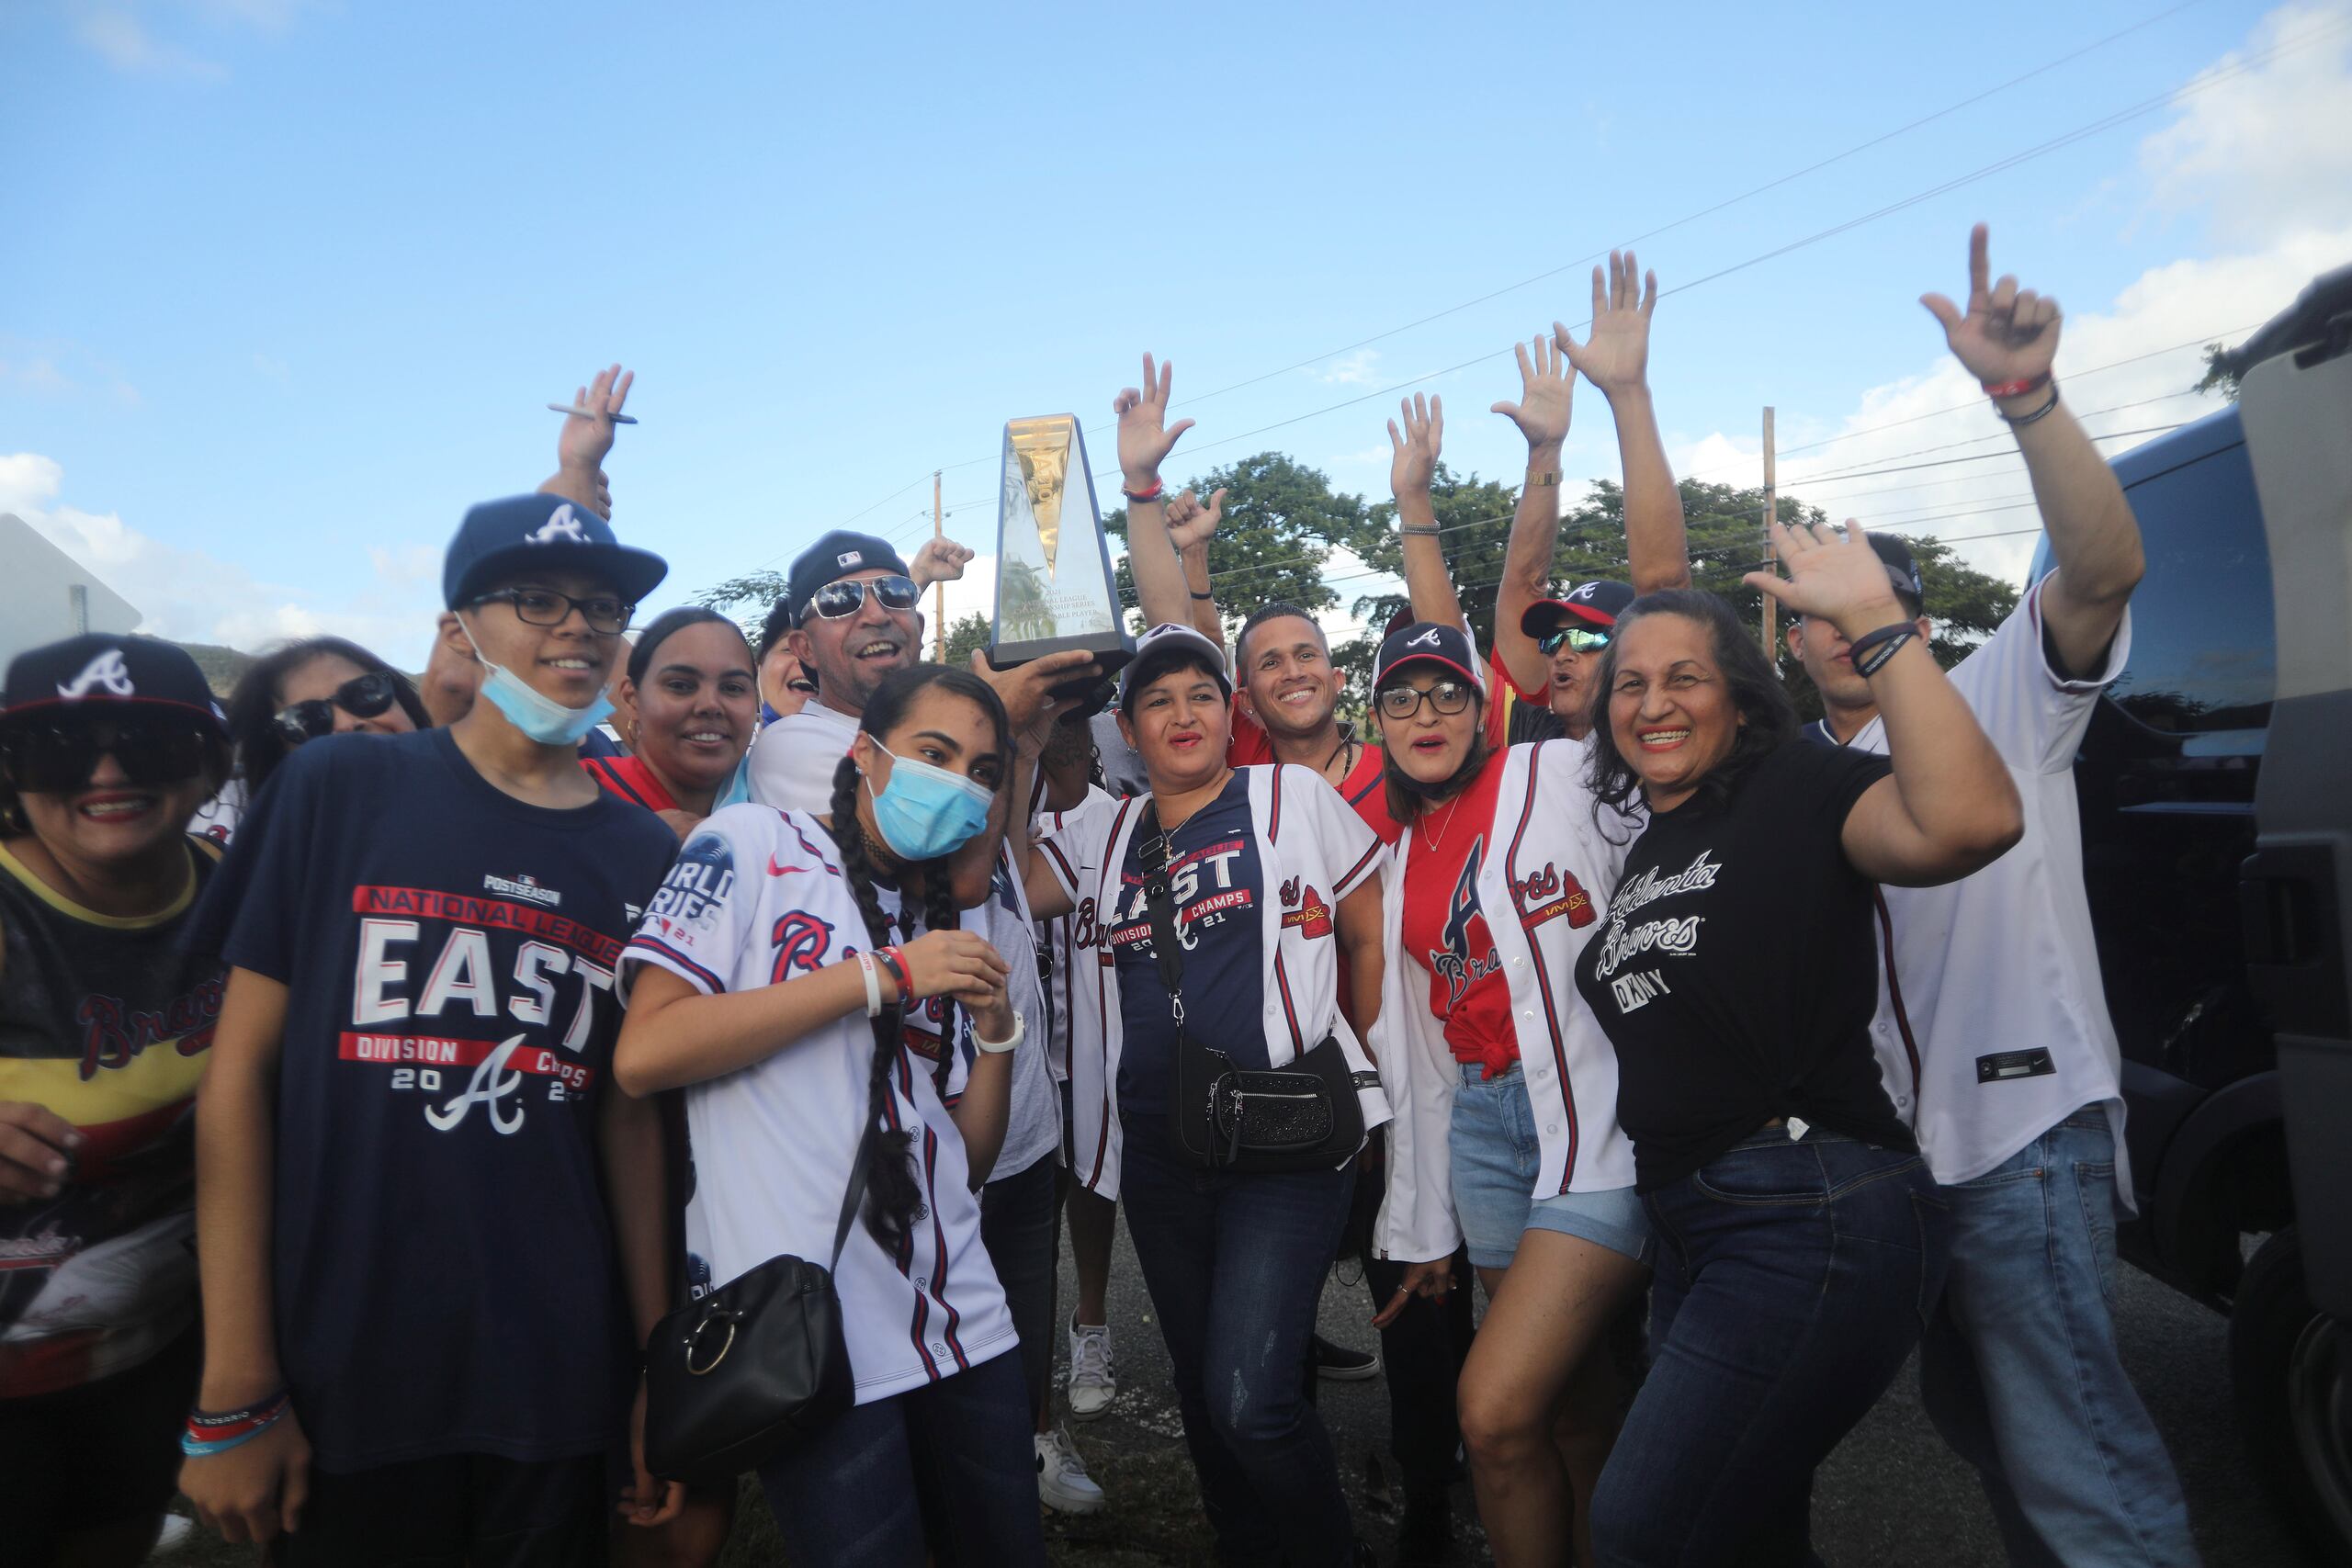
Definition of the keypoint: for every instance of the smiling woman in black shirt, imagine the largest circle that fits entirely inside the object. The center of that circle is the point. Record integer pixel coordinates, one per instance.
(1800, 1236)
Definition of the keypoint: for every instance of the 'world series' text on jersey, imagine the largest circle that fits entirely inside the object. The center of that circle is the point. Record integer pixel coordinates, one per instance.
(758, 898)
(106, 1022)
(444, 1279)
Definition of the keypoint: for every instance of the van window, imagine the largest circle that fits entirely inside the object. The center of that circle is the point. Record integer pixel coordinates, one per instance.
(2203, 652)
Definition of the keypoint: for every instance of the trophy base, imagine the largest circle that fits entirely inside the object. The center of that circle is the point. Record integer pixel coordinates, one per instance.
(1112, 652)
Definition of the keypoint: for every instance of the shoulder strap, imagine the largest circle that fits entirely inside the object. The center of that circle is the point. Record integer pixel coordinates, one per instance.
(1153, 853)
(861, 1162)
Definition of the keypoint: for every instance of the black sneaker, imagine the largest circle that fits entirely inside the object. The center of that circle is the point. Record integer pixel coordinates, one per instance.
(1342, 1365)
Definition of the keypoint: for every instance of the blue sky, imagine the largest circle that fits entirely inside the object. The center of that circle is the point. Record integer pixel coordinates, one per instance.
(286, 285)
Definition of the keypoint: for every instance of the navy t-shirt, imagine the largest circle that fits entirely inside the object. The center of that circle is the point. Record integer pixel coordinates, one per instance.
(1217, 883)
(445, 1278)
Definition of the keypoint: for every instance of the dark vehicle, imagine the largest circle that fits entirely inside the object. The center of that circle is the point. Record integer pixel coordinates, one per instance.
(2216, 789)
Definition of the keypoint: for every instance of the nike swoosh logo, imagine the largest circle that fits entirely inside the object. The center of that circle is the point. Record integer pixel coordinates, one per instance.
(775, 870)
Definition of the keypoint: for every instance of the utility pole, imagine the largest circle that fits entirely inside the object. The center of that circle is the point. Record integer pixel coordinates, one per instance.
(939, 590)
(1771, 515)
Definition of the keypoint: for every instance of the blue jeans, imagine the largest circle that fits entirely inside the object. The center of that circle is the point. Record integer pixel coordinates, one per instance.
(1020, 1226)
(2018, 1367)
(945, 1474)
(1793, 1281)
(1496, 1158)
(1235, 1267)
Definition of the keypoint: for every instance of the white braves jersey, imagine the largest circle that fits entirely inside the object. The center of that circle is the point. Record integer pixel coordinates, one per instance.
(792, 761)
(1991, 1027)
(1077, 1018)
(757, 899)
(1548, 864)
(1306, 837)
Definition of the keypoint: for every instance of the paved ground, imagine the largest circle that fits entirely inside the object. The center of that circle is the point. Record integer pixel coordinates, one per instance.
(1891, 1496)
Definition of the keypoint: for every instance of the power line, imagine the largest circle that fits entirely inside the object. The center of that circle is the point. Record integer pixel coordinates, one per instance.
(2204, 81)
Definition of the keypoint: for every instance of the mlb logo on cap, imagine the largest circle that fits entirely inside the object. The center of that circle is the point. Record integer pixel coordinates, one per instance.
(850, 559)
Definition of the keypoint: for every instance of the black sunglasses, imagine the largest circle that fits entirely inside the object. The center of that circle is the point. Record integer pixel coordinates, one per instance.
(545, 607)
(1404, 702)
(1580, 640)
(58, 757)
(843, 598)
(362, 696)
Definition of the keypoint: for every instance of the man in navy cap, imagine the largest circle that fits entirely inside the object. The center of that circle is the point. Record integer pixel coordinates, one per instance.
(432, 1238)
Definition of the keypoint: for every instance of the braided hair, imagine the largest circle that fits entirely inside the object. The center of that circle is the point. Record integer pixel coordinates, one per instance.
(893, 1198)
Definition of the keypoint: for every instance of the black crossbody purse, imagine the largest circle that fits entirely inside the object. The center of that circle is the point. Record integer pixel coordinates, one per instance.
(1303, 1117)
(759, 1364)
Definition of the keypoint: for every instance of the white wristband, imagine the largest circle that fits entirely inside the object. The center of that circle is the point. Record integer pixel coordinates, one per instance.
(873, 985)
(999, 1048)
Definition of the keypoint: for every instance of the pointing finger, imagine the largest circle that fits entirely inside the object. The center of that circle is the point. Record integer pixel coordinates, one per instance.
(1980, 261)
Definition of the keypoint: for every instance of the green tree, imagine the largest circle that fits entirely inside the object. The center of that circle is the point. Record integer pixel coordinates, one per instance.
(1473, 523)
(966, 637)
(1281, 521)
(2219, 377)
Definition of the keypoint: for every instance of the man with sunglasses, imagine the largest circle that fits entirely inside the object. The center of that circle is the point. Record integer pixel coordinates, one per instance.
(108, 746)
(1569, 634)
(423, 1213)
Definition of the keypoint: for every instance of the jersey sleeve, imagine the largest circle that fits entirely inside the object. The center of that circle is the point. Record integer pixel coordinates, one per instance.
(702, 920)
(1076, 845)
(2034, 714)
(260, 900)
(1351, 849)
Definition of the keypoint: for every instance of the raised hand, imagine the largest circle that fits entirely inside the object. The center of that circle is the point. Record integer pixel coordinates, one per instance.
(2007, 333)
(1616, 357)
(1413, 463)
(1836, 579)
(941, 559)
(1145, 436)
(1190, 524)
(1026, 689)
(1547, 388)
(580, 446)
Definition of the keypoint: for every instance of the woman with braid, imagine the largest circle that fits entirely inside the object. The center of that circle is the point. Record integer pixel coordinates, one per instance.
(769, 980)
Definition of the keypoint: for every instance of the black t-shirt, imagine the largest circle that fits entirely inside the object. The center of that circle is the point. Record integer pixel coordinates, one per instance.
(1735, 974)
(444, 1271)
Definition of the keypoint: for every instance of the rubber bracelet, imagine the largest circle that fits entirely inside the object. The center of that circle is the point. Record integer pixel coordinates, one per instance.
(1154, 493)
(205, 1421)
(2016, 388)
(210, 1435)
(896, 960)
(1870, 655)
(999, 1048)
(1203, 595)
(873, 985)
(2020, 419)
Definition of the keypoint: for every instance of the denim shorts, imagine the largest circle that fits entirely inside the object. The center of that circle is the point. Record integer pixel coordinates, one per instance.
(1496, 1159)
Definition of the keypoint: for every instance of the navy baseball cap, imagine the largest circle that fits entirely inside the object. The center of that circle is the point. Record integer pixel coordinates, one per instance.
(1428, 642)
(837, 555)
(541, 532)
(1595, 603)
(103, 671)
(1163, 649)
(1902, 569)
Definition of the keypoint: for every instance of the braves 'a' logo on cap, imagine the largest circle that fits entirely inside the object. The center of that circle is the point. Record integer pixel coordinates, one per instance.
(107, 670)
(849, 558)
(1583, 591)
(1427, 639)
(561, 524)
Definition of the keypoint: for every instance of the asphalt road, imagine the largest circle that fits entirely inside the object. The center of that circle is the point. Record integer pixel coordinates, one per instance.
(1891, 1495)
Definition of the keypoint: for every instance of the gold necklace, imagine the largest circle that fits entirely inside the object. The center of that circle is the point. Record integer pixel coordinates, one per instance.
(1451, 807)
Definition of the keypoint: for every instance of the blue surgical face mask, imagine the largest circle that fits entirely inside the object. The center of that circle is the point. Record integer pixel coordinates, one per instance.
(925, 811)
(540, 716)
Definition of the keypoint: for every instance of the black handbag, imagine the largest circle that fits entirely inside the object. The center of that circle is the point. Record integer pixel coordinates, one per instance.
(757, 1365)
(1303, 1117)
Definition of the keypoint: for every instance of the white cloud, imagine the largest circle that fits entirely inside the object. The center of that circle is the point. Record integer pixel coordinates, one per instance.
(1357, 369)
(2268, 154)
(191, 596)
(124, 42)
(2269, 140)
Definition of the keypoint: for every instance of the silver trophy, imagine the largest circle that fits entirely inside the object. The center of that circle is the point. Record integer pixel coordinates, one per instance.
(1054, 587)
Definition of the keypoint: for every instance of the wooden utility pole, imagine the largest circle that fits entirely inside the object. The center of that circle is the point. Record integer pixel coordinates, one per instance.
(1771, 515)
(939, 591)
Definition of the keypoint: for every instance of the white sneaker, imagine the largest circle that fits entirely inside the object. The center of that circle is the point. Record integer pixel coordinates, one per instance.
(178, 1532)
(1091, 1384)
(1063, 1484)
